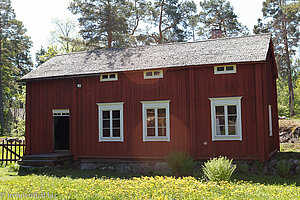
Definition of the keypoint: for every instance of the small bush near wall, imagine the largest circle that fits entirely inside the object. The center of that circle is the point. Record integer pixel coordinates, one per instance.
(180, 164)
(218, 169)
(283, 168)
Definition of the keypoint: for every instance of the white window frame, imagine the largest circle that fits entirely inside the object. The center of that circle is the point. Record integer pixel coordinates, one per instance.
(109, 79)
(224, 102)
(156, 105)
(225, 71)
(60, 112)
(161, 75)
(270, 121)
(110, 107)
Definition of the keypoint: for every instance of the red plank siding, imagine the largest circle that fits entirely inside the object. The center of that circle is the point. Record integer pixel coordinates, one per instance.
(188, 89)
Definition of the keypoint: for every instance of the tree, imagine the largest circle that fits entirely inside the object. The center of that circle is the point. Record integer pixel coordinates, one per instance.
(282, 20)
(172, 18)
(103, 22)
(219, 13)
(65, 37)
(15, 60)
(43, 55)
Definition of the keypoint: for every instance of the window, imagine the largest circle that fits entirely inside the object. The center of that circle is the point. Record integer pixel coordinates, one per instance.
(110, 122)
(153, 74)
(270, 121)
(225, 69)
(109, 77)
(156, 121)
(226, 118)
(60, 112)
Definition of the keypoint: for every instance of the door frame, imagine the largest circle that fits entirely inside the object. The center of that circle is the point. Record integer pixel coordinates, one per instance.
(60, 113)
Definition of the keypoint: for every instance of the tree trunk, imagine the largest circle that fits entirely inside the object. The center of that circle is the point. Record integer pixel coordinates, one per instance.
(1, 92)
(109, 28)
(288, 64)
(160, 22)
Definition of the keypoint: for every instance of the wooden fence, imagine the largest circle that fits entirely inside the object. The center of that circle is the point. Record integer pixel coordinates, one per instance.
(11, 150)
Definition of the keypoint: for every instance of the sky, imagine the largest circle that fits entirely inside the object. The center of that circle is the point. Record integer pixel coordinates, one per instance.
(37, 16)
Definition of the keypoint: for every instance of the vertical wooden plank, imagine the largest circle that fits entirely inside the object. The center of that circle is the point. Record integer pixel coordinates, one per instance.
(6, 145)
(2, 152)
(192, 112)
(72, 118)
(15, 150)
(28, 117)
(259, 112)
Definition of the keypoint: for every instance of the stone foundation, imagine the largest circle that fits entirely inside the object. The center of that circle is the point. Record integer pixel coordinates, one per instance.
(133, 167)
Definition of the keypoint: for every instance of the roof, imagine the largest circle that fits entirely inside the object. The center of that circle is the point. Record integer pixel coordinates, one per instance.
(216, 51)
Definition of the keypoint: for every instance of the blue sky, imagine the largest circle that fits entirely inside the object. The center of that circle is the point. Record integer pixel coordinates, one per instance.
(37, 16)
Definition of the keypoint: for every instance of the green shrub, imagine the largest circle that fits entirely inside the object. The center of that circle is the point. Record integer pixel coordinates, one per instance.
(244, 168)
(218, 169)
(180, 164)
(283, 168)
(259, 167)
(13, 167)
(19, 129)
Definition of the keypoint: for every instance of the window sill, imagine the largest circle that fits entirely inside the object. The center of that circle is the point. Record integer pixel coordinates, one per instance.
(220, 138)
(155, 139)
(111, 140)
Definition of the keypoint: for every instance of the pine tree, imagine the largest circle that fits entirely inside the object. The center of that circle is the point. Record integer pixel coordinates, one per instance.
(172, 19)
(220, 14)
(282, 20)
(103, 23)
(15, 59)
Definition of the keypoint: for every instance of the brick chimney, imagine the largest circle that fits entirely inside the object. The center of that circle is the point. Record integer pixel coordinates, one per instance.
(216, 33)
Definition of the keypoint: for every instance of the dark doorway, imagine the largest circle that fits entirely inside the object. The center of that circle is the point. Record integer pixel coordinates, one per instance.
(61, 132)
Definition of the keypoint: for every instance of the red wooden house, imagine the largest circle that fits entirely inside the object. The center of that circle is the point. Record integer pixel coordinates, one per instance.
(207, 98)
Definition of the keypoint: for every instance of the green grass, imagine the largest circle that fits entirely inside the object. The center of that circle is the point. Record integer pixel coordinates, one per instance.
(290, 147)
(77, 184)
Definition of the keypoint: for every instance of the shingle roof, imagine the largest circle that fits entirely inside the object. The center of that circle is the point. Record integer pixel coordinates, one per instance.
(217, 51)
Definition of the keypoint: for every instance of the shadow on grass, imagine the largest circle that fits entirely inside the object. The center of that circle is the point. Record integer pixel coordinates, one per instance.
(266, 179)
(287, 155)
(73, 173)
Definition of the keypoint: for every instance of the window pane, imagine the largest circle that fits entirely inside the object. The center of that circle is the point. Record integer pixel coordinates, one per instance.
(106, 123)
(105, 76)
(232, 120)
(116, 132)
(162, 132)
(229, 68)
(151, 122)
(150, 131)
(116, 114)
(219, 69)
(150, 113)
(161, 122)
(116, 123)
(231, 110)
(220, 120)
(106, 114)
(112, 76)
(106, 133)
(148, 73)
(219, 110)
(156, 73)
(220, 130)
(161, 112)
(231, 130)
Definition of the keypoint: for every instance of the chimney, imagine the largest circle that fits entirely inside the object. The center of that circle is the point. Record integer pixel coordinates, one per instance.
(216, 33)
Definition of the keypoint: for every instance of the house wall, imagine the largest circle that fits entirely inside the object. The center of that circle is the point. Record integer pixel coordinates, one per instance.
(187, 88)
(208, 85)
(271, 76)
(41, 98)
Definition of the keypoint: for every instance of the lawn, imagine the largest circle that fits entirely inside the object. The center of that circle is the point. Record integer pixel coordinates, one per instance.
(77, 184)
